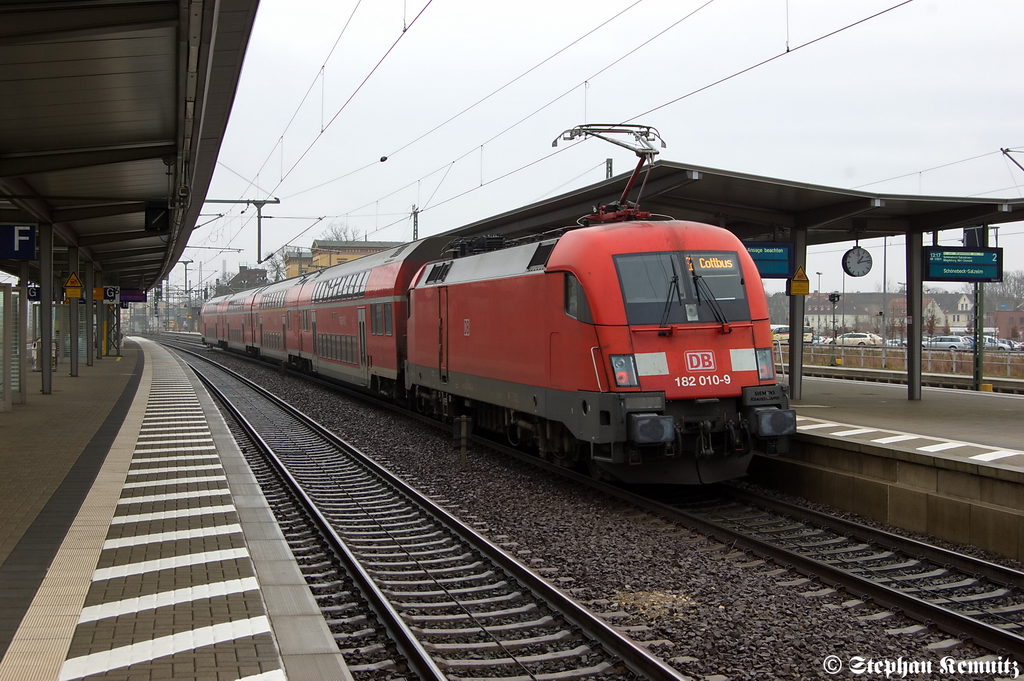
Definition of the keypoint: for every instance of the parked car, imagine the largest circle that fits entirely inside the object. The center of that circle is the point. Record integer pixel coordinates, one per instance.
(992, 343)
(896, 343)
(948, 343)
(780, 332)
(858, 339)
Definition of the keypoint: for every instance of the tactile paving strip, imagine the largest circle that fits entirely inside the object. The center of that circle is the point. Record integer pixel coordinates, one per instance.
(174, 594)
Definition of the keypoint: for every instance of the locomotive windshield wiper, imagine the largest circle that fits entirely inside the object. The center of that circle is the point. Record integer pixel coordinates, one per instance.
(716, 309)
(673, 285)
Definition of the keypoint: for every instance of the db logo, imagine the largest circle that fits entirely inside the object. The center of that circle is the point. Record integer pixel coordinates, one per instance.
(700, 360)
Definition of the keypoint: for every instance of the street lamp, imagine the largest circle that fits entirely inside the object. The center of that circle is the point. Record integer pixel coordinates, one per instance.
(818, 304)
(834, 298)
(188, 300)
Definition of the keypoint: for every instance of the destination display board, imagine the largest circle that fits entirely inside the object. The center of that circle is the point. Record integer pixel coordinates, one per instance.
(972, 265)
(774, 259)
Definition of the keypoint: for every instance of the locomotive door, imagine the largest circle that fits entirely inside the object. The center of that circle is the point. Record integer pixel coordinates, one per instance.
(314, 351)
(363, 369)
(442, 330)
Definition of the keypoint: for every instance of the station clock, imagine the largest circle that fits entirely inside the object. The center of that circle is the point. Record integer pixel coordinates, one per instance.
(857, 262)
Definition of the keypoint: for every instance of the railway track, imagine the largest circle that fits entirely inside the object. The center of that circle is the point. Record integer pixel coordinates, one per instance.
(967, 598)
(406, 587)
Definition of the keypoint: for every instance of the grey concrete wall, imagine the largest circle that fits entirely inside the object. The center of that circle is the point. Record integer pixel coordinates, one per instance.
(959, 501)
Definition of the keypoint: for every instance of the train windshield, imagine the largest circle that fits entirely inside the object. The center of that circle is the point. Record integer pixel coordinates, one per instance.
(674, 287)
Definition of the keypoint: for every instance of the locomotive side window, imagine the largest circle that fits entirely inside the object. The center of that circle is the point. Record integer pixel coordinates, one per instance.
(576, 300)
(677, 288)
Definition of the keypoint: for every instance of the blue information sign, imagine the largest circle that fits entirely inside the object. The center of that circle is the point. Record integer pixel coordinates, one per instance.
(18, 242)
(133, 295)
(774, 259)
(949, 263)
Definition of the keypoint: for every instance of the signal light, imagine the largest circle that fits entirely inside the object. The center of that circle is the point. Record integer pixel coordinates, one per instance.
(765, 364)
(624, 370)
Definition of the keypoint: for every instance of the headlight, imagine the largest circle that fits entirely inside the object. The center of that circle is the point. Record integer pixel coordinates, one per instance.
(765, 364)
(624, 370)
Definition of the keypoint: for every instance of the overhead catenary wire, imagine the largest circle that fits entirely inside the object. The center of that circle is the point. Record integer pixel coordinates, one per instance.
(447, 167)
(674, 100)
(769, 60)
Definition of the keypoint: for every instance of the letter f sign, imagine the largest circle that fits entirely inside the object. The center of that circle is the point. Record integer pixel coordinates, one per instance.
(23, 233)
(18, 242)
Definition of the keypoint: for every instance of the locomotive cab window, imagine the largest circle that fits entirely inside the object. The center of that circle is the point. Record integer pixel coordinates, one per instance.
(682, 287)
(576, 300)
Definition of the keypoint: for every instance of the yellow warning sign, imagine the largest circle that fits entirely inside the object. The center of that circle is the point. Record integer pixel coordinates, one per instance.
(799, 285)
(73, 287)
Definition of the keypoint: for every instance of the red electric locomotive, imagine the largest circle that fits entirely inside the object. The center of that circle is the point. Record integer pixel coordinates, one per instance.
(641, 348)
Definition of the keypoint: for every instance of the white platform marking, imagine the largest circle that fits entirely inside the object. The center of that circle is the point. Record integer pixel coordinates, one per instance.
(992, 456)
(896, 438)
(855, 431)
(171, 515)
(174, 496)
(162, 600)
(108, 660)
(168, 563)
(174, 481)
(176, 535)
(942, 446)
(176, 469)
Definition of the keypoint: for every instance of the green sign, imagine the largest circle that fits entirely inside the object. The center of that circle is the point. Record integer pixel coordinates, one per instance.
(948, 263)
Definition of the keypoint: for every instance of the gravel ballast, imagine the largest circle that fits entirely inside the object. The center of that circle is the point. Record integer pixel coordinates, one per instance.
(711, 613)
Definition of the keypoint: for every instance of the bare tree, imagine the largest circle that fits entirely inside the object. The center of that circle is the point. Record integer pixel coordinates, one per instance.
(340, 231)
(275, 266)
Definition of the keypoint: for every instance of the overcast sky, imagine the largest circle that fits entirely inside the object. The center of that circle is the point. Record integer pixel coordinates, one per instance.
(916, 100)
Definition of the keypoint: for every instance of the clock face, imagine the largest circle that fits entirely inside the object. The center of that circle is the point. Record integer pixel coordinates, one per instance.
(857, 262)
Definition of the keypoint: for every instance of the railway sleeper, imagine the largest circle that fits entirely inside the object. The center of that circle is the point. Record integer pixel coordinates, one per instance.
(429, 605)
(554, 656)
(408, 534)
(409, 573)
(567, 675)
(480, 588)
(505, 644)
(545, 621)
(463, 616)
(478, 578)
(414, 563)
(986, 596)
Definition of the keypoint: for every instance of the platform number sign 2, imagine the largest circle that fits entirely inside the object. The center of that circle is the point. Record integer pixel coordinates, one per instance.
(111, 295)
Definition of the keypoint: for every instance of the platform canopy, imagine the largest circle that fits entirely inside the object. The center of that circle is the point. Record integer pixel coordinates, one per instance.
(112, 118)
(758, 208)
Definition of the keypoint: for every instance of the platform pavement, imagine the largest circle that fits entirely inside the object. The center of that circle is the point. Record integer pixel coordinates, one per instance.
(985, 418)
(65, 447)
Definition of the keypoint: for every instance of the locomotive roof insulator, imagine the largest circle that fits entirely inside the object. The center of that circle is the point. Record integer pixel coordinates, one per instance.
(460, 248)
(645, 136)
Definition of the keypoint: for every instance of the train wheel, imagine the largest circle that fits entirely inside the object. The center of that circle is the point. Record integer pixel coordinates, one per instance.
(598, 473)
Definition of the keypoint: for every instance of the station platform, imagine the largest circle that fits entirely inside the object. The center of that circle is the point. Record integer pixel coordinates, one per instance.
(950, 465)
(135, 543)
